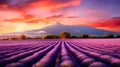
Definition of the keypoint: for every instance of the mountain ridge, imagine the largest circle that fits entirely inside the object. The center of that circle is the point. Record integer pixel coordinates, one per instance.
(57, 28)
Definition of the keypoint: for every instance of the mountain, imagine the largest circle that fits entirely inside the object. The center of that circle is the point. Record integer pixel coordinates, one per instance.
(58, 28)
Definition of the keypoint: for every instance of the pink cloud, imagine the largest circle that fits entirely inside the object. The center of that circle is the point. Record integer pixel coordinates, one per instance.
(48, 4)
(7, 14)
(112, 24)
(108, 23)
(52, 4)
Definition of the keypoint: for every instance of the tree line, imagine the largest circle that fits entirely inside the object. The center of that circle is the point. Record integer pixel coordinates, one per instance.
(68, 35)
(63, 35)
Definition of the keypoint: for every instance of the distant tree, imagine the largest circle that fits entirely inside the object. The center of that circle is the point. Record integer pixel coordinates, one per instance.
(57, 36)
(22, 36)
(28, 38)
(74, 36)
(5, 39)
(65, 35)
(84, 36)
(109, 36)
(12, 38)
(51, 36)
(44, 37)
(91, 36)
(118, 36)
(99, 37)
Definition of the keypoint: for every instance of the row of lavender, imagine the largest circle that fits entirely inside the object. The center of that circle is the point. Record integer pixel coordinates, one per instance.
(92, 56)
(60, 54)
(13, 54)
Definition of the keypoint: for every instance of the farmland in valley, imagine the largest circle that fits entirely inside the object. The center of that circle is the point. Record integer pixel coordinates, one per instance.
(60, 53)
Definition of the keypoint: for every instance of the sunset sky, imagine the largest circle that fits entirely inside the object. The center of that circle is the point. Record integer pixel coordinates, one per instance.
(20, 15)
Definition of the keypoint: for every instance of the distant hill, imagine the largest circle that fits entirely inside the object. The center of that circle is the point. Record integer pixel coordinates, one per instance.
(58, 28)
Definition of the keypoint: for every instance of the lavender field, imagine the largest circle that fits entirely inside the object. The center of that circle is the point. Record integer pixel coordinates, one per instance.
(60, 53)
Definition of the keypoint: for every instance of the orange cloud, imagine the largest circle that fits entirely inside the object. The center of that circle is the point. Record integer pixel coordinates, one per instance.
(9, 14)
(54, 17)
(26, 19)
(48, 4)
(51, 4)
(14, 20)
(33, 19)
(59, 17)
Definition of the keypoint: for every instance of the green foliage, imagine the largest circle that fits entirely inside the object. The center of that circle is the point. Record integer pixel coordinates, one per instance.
(65, 35)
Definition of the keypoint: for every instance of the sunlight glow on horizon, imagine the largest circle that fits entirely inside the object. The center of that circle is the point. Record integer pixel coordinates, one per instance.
(21, 15)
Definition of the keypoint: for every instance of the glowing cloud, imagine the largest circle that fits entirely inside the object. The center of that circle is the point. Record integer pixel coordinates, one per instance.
(113, 22)
(19, 15)
(7, 14)
(49, 4)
